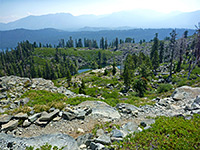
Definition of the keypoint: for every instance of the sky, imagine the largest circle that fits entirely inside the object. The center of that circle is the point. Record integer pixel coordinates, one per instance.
(11, 10)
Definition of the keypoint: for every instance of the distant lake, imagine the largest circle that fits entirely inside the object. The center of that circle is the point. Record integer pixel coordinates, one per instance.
(87, 69)
(83, 70)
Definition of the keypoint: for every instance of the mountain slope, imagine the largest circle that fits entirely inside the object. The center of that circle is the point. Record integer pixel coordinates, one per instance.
(134, 18)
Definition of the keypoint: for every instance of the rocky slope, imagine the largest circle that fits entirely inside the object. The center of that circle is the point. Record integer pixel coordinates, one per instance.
(73, 126)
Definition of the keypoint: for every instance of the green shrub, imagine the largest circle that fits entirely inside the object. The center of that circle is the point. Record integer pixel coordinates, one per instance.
(45, 147)
(164, 88)
(140, 86)
(42, 97)
(167, 133)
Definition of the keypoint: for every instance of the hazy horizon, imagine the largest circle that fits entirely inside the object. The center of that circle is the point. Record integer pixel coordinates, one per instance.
(13, 10)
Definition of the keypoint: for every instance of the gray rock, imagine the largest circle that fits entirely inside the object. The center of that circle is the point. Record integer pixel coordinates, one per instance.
(34, 117)
(21, 115)
(11, 125)
(100, 132)
(68, 115)
(96, 146)
(106, 111)
(143, 124)
(49, 116)
(26, 123)
(24, 101)
(147, 127)
(58, 140)
(149, 121)
(197, 100)
(83, 139)
(185, 92)
(13, 106)
(92, 104)
(3, 95)
(51, 109)
(113, 139)
(117, 133)
(128, 107)
(5, 118)
(41, 123)
(4, 102)
(81, 115)
(129, 127)
(104, 139)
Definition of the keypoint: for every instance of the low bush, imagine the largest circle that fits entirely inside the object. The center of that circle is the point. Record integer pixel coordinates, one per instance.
(42, 97)
(166, 133)
(164, 88)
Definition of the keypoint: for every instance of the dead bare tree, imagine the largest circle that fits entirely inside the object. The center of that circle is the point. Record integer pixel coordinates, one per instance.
(195, 53)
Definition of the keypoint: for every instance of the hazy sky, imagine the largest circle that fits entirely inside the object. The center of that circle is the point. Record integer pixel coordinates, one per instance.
(11, 10)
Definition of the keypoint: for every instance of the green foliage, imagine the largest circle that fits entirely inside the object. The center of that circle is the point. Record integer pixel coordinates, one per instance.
(140, 85)
(42, 101)
(42, 97)
(166, 133)
(107, 126)
(45, 147)
(82, 88)
(136, 62)
(164, 88)
(114, 68)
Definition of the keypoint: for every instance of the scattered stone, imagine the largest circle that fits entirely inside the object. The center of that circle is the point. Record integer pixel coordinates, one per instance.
(83, 146)
(96, 146)
(81, 115)
(100, 132)
(129, 127)
(34, 117)
(11, 125)
(80, 130)
(68, 115)
(104, 139)
(147, 127)
(24, 101)
(57, 118)
(5, 118)
(83, 139)
(117, 133)
(143, 124)
(49, 116)
(21, 115)
(26, 123)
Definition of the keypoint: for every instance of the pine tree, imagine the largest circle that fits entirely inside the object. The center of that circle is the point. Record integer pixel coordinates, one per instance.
(155, 60)
(106, 44)
(161, 55)
(117, 43)
(99, 59)
(102, 45)
(79, 43)
(114, 67)
(69, 77)
(82, 88)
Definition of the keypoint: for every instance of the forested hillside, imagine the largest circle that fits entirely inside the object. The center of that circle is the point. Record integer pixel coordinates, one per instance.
(9, 39)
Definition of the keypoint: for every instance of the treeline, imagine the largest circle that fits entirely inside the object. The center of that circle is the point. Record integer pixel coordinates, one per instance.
(21, 62)
(88, 43)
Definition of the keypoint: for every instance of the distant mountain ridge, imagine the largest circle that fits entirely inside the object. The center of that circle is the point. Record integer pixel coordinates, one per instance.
(133, 19)
(9, 39)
